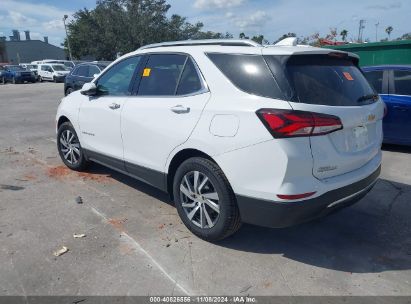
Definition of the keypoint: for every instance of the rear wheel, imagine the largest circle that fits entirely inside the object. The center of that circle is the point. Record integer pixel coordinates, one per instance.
(205, 200)
(69, 148)
(3, 80)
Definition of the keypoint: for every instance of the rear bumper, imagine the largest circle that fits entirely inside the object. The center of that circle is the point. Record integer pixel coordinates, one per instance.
(283, 214)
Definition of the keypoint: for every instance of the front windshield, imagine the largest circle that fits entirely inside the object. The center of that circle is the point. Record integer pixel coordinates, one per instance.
(15, 68)
(57, 67)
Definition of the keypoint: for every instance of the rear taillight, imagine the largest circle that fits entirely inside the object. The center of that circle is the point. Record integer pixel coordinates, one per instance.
(290, 123)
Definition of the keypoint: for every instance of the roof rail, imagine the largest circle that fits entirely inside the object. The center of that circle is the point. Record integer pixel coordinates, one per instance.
(222, 42)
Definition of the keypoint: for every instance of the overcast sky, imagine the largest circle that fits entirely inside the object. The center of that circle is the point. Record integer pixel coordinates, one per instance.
(272, 18)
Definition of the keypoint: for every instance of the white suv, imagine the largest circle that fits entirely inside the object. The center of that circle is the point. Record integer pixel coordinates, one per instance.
(232, 130)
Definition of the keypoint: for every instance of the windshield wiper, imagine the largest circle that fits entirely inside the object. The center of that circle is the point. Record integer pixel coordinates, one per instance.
(368, 97)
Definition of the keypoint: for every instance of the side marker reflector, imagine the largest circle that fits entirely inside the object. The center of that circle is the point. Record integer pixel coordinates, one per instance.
(295, 196)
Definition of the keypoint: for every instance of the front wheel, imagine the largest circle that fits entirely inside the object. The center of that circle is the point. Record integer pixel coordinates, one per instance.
(3, 80)
(14, 80)
(69, 148)
(204, 199)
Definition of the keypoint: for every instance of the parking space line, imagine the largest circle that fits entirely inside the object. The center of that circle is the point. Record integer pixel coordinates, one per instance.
(138, 247)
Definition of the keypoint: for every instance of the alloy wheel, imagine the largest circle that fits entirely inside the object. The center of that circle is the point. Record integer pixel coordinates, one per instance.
(199, 199)
(70, 147)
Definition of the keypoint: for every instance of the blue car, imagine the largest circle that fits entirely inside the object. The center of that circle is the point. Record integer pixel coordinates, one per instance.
(18, 74)
(393, 83)
(4, 74)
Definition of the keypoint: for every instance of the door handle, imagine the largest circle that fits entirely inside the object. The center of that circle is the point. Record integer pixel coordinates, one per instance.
(179, 109)
(114, 106)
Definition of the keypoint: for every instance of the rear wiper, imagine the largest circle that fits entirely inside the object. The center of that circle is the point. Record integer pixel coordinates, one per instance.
(367, 97)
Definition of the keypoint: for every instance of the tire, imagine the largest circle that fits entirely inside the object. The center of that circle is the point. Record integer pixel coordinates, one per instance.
(54, 79)
(41, 79)
(218, 225)
(69, 91)
(14, 80)
(3, 80)
(75, 159)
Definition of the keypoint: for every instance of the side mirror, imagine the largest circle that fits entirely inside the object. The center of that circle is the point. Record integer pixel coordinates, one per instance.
(89, 89)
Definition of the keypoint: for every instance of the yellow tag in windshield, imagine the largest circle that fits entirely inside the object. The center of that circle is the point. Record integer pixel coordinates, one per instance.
(146, 72)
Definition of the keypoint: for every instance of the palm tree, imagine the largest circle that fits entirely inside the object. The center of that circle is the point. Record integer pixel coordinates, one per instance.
(388, 30)
(344, 34)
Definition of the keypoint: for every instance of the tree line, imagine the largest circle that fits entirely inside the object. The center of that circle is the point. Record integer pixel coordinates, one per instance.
(119, 26)
(116, 27)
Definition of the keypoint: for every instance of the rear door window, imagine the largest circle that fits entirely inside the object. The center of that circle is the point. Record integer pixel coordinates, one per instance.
(402, 82)
(322, 80)
(375, 78)
(248, 73)
(161, 75)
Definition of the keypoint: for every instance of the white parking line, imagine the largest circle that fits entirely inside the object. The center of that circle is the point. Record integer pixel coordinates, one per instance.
(138, 247)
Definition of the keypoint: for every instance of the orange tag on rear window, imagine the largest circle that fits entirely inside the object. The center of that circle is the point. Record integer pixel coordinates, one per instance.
(348, 76)
(146, 72)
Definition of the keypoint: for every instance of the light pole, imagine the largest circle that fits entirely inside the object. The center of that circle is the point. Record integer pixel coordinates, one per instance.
(68, 40)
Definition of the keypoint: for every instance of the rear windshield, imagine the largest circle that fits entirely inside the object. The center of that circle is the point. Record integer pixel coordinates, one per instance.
(321, 79)
(313, 79)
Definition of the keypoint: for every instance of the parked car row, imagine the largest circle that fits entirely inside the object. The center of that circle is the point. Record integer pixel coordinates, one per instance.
(52, 70)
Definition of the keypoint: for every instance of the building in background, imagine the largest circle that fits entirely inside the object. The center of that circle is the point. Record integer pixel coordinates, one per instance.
(379, 53)
(17, 51)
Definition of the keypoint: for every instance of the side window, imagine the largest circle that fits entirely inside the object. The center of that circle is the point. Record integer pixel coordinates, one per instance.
(82, 71)
(75, 71)
(92, 70)
(116, 81)
(161, 75)
(248, 73)
(402, 82)
(190, 81)
(375, 79)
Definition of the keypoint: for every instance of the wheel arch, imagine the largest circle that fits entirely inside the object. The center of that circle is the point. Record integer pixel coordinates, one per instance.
(177, 160)
(62, 119)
